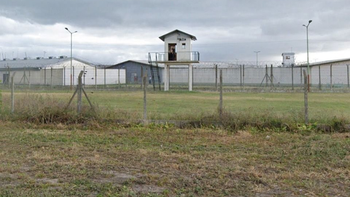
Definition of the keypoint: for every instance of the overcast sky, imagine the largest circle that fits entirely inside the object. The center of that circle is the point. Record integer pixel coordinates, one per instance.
(111, 31)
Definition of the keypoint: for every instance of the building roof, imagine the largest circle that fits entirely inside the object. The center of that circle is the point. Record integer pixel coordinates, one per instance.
(329, 62)
(177, 31)
(37, 62)
(141, 62)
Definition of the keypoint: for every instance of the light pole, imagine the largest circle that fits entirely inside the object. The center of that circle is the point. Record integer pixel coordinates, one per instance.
(71, 57)
(307, 51)
(257, 57)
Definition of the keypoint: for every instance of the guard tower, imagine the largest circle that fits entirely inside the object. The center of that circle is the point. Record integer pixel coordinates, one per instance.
(288, 59)
(177, 52)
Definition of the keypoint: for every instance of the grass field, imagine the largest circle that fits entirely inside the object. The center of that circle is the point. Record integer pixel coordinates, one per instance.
(167, 105)
(98, 157)
(167, 161)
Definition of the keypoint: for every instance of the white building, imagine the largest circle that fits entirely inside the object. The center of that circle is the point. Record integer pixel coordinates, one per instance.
(57, 72)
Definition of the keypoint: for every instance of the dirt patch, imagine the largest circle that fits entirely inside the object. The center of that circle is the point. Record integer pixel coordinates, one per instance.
(46, 180)
(115, 177)
(147, 189)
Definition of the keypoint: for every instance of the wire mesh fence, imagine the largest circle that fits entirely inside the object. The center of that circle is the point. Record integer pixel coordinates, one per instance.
(235, 78)
(134, 105)
(238, 77)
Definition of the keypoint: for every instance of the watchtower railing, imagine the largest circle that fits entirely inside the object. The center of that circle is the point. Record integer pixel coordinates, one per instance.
(161, 57)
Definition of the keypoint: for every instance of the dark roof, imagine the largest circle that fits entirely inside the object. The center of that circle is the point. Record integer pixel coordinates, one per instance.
(141, 62)
(177, 31)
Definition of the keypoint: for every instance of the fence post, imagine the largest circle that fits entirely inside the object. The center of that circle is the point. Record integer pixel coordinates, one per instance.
(319, 78)
(306, 102)
(266, 76)
(142, 67)
(45, 77)
(271, 75)
(9, 76)
(301, 76)
(64, 76)
(96, 77)
(240, 76)
(0, 100)
(80, 86)
(105, 82)
(220, 104)
(13, 93)
(292, 76)
(216, 77)
(119, 78)
(51, 76)
(84, 75)
(243, 76)
(331, 76)
(29, 80)
(145, 100)
(347, 73)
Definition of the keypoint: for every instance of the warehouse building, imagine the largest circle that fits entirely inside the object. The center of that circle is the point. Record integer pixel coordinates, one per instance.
(135, 69)
(57, 71)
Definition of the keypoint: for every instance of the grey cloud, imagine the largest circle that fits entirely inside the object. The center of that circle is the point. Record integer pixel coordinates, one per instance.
(225, 29)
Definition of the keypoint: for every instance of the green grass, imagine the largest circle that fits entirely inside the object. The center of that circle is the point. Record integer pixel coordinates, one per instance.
(46, 151)
(175, 105)
(174, 101)
(166, 161)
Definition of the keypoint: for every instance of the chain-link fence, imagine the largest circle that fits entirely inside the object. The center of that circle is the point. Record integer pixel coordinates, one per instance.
(62, 77)
(322, 78)
(235, 77)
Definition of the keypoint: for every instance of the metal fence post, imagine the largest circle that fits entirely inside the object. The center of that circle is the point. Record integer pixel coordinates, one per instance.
(13, 93)
(306, 102)
(292, 76)
(331, 76)
(145, 100)
(51, 76)
(216, 77)
(243, 76)
(301, 76)
(45, 76)
(119, 78)
(319, 78)
(142, 83)
(266, 76)
(96, 77)
(105, 82)
(220, 104)
(64, 76)
(347, 73)
(80, 86)
(0, 101)
(240, 76)
(9, 76)
(271, 75)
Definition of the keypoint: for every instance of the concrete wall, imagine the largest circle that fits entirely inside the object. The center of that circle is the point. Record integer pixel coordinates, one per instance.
(252, 75)
(339, 74)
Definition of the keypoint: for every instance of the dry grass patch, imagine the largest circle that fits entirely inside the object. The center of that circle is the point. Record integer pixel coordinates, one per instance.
(167, 161)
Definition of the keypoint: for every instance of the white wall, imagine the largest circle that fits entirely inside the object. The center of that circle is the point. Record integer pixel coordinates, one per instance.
(252, 75)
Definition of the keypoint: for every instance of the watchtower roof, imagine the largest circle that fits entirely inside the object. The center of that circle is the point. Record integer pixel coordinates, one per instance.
(177, 31)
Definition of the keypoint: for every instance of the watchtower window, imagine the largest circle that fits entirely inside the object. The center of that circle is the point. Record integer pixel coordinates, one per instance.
(183, 45)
